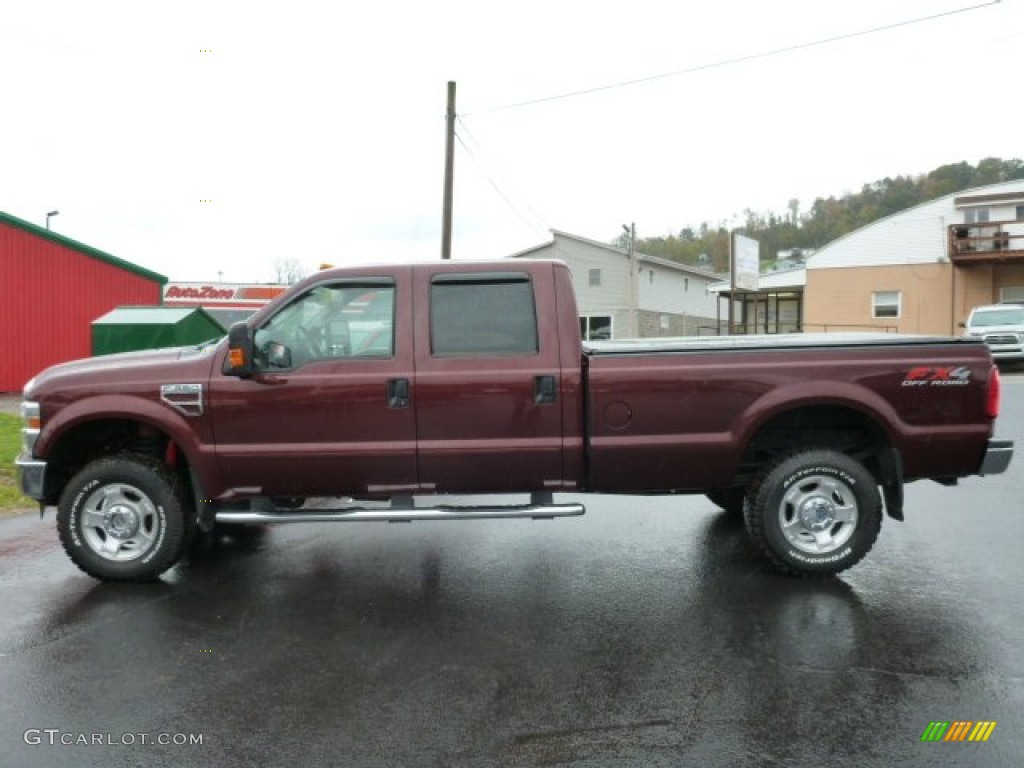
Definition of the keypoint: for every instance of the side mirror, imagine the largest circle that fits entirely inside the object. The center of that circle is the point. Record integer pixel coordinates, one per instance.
(239, 361)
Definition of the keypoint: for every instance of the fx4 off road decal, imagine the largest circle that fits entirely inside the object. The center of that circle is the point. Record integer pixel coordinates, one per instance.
(924, 376)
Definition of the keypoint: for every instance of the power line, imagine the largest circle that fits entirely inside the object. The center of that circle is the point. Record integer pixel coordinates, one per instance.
(734, 60)
(490, 174)
(495, 185)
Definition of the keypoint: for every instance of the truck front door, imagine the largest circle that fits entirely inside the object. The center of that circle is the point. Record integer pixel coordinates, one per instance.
(329, 409)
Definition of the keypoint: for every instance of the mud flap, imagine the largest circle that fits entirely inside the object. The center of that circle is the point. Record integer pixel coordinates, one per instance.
(206, 511)
(890, 466)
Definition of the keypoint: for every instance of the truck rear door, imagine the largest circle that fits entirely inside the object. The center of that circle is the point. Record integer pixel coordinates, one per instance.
(488, 411)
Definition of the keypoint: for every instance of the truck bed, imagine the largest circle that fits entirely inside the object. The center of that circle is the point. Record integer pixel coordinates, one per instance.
(683, 413)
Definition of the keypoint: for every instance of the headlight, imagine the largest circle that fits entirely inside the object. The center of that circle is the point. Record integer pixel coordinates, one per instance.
(31, 424)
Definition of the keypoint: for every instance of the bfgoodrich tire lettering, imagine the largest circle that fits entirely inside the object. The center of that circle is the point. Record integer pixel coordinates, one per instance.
(814, 513)
(122, 518)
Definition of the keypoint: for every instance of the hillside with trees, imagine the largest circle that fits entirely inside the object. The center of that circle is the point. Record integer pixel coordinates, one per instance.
(827, 218)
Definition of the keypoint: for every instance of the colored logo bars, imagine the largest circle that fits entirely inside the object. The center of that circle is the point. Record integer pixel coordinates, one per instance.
(958, 730)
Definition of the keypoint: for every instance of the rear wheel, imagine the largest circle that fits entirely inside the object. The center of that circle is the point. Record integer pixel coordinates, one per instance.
(122, 518)
(814, 513)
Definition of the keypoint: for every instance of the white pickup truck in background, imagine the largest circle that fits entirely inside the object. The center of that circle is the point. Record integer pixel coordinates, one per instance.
(1001, 327)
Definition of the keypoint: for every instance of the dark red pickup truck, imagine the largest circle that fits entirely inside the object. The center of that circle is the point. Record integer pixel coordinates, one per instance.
(375, 385)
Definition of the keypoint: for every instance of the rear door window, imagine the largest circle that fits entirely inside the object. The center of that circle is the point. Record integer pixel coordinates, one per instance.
(482, 315)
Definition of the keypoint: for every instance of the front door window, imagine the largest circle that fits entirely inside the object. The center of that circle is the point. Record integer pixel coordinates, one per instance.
(330, 321)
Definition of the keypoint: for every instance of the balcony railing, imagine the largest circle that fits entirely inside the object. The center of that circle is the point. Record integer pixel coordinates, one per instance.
(986, 242)
(740, 329)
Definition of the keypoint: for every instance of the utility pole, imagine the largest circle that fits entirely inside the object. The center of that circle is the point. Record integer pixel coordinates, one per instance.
(634, 320)
(732, 283)
(449, 173)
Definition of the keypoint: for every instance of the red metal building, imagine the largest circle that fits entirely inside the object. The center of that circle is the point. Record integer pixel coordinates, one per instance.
(51, 289)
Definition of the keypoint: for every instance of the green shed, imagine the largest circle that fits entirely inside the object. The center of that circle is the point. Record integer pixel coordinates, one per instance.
(126, 329)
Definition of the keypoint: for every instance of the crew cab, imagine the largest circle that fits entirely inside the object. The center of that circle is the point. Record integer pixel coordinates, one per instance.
(380, 386)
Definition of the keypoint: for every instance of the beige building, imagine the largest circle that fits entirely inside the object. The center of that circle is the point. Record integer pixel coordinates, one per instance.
(923, 269)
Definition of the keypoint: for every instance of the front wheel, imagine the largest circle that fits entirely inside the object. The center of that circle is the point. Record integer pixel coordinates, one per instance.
(814, 513)
(122, 518)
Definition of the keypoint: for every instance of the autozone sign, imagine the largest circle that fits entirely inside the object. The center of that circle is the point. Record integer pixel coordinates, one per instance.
(219, 294)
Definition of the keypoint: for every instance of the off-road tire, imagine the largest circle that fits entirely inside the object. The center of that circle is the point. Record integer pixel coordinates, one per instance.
(124, 518)
(814, 513)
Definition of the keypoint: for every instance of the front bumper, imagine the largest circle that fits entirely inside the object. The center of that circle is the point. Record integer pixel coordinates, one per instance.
(997, 457)
(1007, 355)
(31, 476)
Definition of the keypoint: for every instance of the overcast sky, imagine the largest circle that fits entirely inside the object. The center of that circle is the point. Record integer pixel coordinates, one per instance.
(209, 139)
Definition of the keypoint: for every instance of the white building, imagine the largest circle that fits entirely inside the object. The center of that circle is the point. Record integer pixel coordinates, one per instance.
(659, 298)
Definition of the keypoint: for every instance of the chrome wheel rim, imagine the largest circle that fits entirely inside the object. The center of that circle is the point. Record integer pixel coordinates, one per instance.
(119, 522)
(818, 514)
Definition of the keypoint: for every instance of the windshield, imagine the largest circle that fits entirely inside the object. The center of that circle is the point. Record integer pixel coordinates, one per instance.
(985, 318)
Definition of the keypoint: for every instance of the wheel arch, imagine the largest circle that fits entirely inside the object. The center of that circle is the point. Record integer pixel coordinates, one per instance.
(858, 423)
(97, 427)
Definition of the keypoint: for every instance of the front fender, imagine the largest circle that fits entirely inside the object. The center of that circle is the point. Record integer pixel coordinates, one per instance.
(191, 434)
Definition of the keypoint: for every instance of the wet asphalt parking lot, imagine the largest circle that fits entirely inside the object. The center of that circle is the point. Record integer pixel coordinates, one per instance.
(647, 633)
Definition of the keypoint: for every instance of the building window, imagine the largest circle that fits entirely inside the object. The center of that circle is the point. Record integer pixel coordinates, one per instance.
(1020, 213)
(1011, 293)
(686, 284)
(596, 328)
(885, 304)
(595, 277)
(977, 215)
(650, 276)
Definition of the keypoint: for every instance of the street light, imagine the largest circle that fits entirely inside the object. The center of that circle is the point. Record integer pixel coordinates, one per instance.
(50, 215)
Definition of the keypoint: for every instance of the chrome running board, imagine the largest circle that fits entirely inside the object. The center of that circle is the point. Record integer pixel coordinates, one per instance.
(403, 512)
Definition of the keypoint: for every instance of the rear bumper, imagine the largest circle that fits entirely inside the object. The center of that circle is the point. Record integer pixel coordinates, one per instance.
(997, 457)
(31, 476)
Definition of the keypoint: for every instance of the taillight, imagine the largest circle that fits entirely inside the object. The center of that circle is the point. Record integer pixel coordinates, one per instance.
(992, 400)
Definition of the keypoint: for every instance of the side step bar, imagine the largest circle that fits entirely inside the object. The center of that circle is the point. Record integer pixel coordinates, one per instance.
(404, 513)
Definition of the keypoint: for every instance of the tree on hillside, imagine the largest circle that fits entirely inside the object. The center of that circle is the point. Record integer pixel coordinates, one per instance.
(828, 218)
